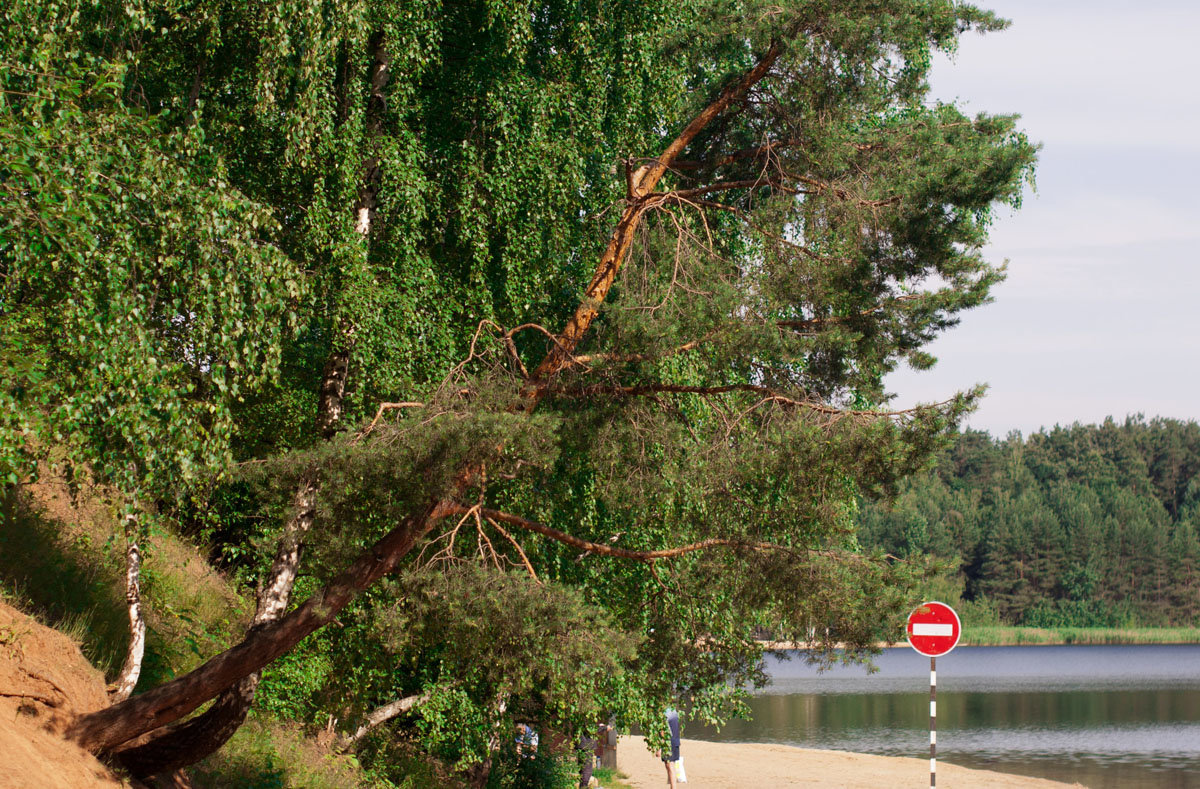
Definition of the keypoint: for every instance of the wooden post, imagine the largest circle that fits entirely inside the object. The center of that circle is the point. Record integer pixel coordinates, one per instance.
(932, 722)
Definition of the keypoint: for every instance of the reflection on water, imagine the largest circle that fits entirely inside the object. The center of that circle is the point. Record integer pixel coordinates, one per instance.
(1104, 716)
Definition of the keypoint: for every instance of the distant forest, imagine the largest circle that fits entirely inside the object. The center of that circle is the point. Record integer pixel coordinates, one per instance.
(1088, 525)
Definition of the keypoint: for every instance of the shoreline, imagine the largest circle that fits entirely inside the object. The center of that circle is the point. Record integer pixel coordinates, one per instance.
(1014, 636)
(725, 765)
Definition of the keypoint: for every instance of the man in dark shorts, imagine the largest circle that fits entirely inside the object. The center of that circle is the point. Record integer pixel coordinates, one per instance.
(671, 756)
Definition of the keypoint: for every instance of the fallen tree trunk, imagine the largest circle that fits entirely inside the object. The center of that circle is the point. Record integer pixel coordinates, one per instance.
(381, 715)
(108, 728)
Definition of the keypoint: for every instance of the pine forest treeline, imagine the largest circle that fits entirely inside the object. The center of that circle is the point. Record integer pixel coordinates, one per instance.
(1087, 525)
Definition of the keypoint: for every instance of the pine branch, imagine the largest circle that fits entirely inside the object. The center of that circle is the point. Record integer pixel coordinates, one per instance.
(600, 549)
(642, 183)
(768, 395)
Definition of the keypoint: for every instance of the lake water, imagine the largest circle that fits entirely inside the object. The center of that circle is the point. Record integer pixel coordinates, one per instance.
(1104, 716)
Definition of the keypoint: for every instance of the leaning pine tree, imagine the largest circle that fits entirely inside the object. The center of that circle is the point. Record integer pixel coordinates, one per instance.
(680, 416)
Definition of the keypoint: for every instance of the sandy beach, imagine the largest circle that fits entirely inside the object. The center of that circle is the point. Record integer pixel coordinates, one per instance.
(720, 765)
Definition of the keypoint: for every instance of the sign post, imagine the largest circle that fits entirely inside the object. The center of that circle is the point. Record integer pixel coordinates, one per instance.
(933, 630)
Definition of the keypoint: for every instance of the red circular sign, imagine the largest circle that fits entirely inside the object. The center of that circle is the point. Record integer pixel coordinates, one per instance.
(933, 629)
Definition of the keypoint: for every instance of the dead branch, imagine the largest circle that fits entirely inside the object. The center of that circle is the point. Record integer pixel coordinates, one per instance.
(645, 357)
(600, 549)
(745, 153)
(725, 186)
(520, 550)
(769, 395)
(384, 407)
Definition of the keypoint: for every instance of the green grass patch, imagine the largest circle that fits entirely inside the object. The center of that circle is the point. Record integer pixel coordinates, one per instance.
(269, 755)
(63, 563)
(610, 778)
(1018, 636)
(61, 579)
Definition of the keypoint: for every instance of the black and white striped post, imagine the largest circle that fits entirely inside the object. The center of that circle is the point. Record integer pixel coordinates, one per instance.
(933, 630)
(932, 722)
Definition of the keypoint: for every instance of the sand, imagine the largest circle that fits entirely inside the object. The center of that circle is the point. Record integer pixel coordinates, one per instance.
(44, 681)
(721, 765)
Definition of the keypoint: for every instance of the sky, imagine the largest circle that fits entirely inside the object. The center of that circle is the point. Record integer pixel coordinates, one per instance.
(1099, 315)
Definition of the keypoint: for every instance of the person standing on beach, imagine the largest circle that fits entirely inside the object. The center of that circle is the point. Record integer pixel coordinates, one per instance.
(671, 755)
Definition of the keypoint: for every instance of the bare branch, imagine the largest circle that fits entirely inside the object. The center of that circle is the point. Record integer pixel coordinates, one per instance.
(644, 357)
(745, 153)
(725, 186)
(383, 407)
(600, 549)
(520, 550)
(769, 395)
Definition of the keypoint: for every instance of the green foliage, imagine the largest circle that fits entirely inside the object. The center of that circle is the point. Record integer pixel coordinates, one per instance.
(490, 649)
(1085, 526)
(263, 755)
(208, 201)
(147, 284)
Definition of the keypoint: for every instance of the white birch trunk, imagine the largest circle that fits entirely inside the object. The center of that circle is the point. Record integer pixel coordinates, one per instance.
(184, 743)
(132, 669)
(382, 715)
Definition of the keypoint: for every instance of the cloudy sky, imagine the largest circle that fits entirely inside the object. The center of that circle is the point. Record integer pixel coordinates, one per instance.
(1100, 314)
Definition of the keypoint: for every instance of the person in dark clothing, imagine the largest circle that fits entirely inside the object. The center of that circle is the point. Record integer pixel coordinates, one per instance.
(587, 759)
(671, 755)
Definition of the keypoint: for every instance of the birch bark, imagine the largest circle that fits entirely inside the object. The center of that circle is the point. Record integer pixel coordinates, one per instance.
(132, 668)
(186, 743)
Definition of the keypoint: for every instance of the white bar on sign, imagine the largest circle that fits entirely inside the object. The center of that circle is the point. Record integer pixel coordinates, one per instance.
(929, 629)
(933, 737)
(932, 677)
(933, 765)
(933, 709)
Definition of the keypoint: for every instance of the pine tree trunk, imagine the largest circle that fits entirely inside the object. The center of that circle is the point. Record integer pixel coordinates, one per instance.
(109, 728)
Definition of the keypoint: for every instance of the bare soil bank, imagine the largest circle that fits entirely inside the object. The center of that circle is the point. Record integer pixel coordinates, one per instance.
(44, 681)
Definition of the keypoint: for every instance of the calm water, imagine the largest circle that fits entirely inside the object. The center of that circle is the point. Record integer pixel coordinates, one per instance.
(1104, 716)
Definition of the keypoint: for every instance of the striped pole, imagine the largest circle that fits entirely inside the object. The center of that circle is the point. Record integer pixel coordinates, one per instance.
(932, 722)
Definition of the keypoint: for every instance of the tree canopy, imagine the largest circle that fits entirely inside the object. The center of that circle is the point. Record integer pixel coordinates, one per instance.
(599, 295)
(1086, 525)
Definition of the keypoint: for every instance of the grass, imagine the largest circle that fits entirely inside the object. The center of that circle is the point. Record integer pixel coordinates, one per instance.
(53, 574)
(266, 754)
(1018, 636)
(610, 778)
(61, 561)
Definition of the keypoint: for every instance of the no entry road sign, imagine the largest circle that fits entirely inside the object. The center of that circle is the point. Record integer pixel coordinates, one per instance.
(933, 629)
